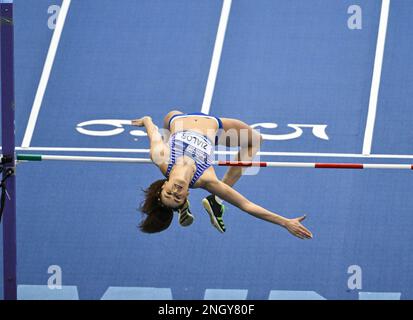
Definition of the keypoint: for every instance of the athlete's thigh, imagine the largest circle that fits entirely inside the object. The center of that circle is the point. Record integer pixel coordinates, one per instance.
(236, 133)
(168, 117)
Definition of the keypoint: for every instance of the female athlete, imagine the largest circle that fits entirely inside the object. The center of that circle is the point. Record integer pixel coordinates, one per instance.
(184, 155)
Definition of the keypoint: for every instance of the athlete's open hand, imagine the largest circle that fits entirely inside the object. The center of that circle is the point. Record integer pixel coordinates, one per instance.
(295, 227)
(139, 122)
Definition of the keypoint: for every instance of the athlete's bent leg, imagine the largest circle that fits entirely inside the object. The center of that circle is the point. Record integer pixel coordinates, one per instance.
(168, 117)
(239, 134)
(235, 134)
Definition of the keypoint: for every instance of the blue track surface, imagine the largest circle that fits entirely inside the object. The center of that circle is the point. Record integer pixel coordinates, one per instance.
(284, 62)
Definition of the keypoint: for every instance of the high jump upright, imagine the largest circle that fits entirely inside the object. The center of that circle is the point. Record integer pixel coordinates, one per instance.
(8, 150)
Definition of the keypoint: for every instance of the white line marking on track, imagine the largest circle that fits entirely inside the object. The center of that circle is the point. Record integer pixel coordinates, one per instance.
(63, 149)
(375, 83)
(44, 79)
(216, 56)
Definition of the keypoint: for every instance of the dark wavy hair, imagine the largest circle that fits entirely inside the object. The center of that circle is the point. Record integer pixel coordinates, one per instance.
(158, 217)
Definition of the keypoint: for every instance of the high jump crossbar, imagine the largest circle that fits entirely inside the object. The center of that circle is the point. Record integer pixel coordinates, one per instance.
(38, 157)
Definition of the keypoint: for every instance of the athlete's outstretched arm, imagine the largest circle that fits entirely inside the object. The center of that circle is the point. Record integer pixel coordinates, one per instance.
(158, 152)
(230, 195)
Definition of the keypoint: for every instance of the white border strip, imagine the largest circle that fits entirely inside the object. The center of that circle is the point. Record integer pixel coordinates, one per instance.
(261, 153)
(216, 56)
(375, 83)
(47, 69)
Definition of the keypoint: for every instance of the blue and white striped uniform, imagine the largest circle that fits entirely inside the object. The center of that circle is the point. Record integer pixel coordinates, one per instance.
(201, 115)
(194, 145)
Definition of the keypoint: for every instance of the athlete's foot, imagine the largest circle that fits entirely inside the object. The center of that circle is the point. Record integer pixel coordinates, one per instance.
(185, 216)
(215, 211)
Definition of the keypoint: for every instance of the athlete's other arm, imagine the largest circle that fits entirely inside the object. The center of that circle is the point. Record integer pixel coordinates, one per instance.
(230, 195)
(158, 149)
